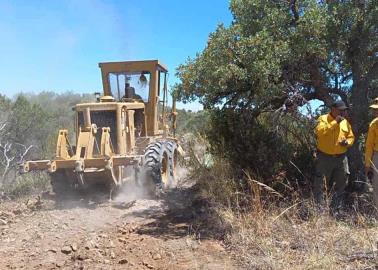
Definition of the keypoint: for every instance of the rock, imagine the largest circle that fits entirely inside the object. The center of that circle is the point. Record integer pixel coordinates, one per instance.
(149, 266)
(123, 261)
(74, 246)
(8, 215)
(99, 253)
(156, 256)
(122, 240)
(88, 246)
(112, 255)
(78, 265)
(106, 261)
(111, 244)
(171, 254)
(3, 222)
(82, 257)
(188, 242)
(17, 211)
(66, 250)
(123, 231)
(53, 250)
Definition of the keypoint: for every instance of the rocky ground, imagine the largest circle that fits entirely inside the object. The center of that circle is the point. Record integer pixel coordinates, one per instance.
(93, 233)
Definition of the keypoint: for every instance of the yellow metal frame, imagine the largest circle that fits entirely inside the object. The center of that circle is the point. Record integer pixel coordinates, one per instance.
(62, 145)
(151, 66)
(126, 152)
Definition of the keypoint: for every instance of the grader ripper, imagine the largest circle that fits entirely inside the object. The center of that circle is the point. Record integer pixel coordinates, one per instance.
(125, 132)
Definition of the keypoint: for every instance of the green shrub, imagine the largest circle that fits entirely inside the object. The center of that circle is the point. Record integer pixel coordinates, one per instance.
(28, 184)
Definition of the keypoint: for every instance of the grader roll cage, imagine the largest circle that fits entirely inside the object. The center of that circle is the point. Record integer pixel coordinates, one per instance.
(127, 132)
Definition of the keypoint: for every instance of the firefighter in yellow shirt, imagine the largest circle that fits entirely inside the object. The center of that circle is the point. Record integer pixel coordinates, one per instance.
(334, 137)
(371, 151)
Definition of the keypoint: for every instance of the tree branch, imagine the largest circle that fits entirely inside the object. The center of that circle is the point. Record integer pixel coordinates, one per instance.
(2, 126)
(9, 160)
(294, 10)
(345, 78)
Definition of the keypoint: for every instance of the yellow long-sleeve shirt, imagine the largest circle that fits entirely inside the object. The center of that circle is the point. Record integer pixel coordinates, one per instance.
(371, 142)
(330, 133)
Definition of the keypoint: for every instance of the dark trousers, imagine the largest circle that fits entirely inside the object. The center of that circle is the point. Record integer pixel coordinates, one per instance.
(331, 172)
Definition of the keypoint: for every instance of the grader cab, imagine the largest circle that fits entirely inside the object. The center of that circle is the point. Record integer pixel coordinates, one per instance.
(127, 132)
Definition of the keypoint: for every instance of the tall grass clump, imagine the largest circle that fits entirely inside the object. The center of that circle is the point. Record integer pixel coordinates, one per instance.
(276, 225)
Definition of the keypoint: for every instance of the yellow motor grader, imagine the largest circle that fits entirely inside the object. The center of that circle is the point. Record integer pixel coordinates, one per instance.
(127, 131)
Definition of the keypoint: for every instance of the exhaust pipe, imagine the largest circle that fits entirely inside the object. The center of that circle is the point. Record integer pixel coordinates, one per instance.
(87, 119)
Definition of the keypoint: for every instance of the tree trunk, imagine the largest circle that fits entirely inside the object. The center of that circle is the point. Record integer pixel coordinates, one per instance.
(360, 122)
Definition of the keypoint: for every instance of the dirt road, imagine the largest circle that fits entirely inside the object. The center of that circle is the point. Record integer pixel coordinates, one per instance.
(97, 234)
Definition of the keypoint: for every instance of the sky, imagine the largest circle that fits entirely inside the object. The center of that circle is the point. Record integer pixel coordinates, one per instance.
(57, 45)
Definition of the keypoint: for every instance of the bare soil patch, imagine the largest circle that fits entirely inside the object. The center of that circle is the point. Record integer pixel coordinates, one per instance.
(93, 233)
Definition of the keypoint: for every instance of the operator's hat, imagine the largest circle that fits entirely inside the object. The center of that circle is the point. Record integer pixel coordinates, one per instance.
(339, 104)
(375, 103)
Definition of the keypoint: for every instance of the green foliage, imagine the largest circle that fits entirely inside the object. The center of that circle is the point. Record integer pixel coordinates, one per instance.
(191, 122)
(33, 119)
(274, 56)
(22, 125)
(27, 123)
(61, 116)
(28, 184)
(306, 45)
(272, 146)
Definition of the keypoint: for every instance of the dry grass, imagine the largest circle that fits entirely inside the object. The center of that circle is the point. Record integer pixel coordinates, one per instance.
(267, 231)
(260, 240)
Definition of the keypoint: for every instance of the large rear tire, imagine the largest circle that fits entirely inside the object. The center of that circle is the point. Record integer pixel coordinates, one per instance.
(158, 166)
(171, 147)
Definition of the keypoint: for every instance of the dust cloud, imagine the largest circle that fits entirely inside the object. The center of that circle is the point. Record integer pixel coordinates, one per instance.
(132, 189)
(136, 187)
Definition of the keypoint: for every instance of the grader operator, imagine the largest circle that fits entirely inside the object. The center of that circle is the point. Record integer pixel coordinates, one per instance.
(127, 131)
